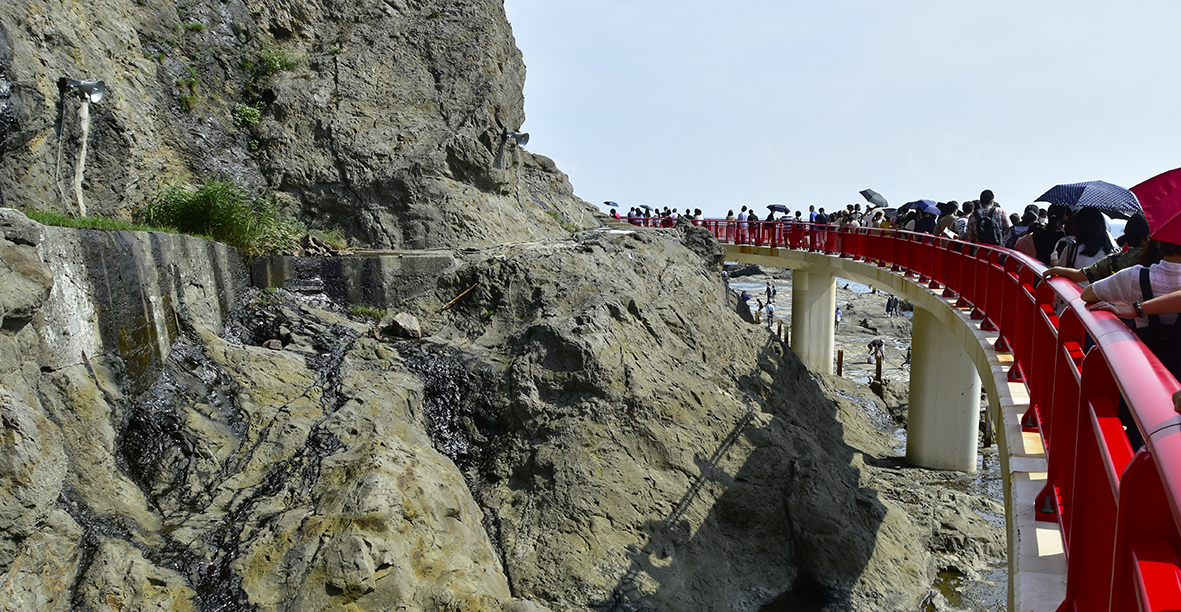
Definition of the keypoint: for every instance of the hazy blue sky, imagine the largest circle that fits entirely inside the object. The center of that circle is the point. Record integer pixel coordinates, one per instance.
(715, 105)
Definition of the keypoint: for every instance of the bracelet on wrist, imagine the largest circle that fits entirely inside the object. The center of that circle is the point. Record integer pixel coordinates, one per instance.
(1139, 310)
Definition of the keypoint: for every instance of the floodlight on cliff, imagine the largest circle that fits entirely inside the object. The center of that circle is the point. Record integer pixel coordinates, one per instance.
(89, 90)
(519, 138)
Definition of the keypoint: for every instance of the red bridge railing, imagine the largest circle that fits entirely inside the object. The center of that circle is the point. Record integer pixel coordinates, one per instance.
(1118, 509)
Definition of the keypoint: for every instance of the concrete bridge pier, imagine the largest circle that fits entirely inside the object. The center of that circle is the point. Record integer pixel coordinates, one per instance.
(944, 413)
(813, 306)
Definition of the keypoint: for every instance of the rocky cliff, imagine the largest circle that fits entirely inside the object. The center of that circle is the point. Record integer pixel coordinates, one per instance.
(382, 117)
(591, 428)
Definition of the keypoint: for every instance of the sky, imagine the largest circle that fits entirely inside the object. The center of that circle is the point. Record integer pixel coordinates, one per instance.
(714, 105)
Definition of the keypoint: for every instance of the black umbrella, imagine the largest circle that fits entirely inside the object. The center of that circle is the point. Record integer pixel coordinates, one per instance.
(645, 207)
(1111, 199)
(611, 204)
(873, 197)
(777, 208)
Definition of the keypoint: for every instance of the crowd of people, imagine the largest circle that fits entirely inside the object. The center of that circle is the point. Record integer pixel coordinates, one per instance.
(651, 217)
(1135, 277)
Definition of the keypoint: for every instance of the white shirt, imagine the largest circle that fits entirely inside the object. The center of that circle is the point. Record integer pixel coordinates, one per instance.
(1124, 286)
(1081, 261)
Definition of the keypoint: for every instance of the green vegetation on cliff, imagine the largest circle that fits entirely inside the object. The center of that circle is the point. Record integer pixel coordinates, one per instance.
(224, 212)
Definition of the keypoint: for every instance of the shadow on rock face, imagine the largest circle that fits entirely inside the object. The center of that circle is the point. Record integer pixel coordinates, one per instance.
(784, 532)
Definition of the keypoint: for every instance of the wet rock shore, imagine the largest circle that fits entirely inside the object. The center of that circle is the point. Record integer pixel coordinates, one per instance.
(962, 513)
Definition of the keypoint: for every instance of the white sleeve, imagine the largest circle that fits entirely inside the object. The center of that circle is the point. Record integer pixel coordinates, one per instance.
(1123, 286)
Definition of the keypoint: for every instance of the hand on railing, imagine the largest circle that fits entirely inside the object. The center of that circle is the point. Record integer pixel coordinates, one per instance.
(1074, 275)
(1121, 310)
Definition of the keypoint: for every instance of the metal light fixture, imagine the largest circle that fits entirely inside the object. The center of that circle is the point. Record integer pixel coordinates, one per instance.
(92, 90)
(520, 138)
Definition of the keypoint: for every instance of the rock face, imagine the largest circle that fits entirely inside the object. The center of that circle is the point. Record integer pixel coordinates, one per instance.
(385, 118)
(574, 434)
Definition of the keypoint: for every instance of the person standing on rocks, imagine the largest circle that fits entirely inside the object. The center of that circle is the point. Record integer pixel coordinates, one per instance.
(876, 350)
(838, 319)
(770, 313)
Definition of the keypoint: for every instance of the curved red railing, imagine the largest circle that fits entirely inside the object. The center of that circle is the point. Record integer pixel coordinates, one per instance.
(1118, 510)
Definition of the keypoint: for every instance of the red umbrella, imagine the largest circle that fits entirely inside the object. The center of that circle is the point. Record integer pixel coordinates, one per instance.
(1160, 197)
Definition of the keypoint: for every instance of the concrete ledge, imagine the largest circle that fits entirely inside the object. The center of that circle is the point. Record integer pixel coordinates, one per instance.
(382, 279)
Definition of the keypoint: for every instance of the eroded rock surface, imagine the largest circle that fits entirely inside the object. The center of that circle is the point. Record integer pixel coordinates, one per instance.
(384, 118)
(591, 428)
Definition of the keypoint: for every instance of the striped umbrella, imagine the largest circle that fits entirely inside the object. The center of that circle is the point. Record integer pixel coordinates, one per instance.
(1111, 199)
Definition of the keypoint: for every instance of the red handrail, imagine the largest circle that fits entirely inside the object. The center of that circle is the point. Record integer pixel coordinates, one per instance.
(1119, 512)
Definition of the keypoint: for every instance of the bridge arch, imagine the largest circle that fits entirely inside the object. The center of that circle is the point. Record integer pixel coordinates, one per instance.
(1105, 515)
(953, 357)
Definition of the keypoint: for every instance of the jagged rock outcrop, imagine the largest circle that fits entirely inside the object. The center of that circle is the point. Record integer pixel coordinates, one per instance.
(385, 118)
(571, 435)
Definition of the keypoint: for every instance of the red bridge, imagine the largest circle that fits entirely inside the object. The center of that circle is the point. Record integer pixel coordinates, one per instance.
(1118, 511)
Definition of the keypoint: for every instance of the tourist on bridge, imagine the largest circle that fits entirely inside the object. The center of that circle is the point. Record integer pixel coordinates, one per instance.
(820, 236)
(1159, 332)
(925, 223)
(1086, 243)
(1043, 237)
(1021, 226)
(989, 223)
(1135, 238)
(961, 220)
(945, 225)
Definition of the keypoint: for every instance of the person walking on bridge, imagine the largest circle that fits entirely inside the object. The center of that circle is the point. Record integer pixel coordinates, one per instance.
(989, 222)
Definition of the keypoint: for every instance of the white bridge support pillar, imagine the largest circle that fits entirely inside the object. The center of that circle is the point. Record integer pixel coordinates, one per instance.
(944, 414)
(813, 306)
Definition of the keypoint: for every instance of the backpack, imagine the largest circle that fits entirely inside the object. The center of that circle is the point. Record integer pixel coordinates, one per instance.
(1014, 236)
(987, 231)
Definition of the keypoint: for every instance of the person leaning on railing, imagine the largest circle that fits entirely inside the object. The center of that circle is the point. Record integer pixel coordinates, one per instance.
(1164, 304)
(1161, 333)
(1135, 236)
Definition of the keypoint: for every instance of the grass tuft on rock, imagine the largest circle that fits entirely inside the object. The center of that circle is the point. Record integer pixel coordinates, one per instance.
(225, 212)
(275, 61)
(46, 217)
(368, 312)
